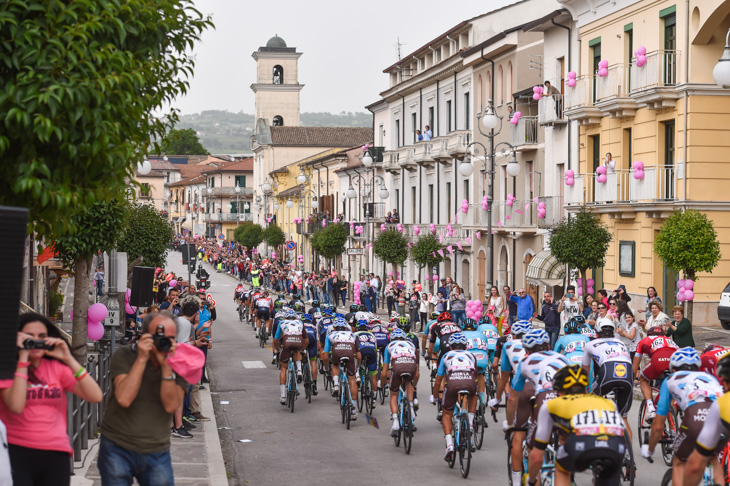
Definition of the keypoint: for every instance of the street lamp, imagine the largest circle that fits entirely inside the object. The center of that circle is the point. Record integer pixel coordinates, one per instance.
(277, 206)
(721, 73)
(368, 192)
(266, 187)
(302, 178)
(315, 203)
(144, 167)
(367, 159)
(289, 203)
(238, 208)
(513, 168)
(351, 193)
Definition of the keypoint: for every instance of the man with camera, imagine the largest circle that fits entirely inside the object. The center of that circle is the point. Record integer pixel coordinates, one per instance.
(145, 392)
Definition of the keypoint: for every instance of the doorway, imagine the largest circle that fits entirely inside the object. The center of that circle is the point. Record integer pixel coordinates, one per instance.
(482, 272)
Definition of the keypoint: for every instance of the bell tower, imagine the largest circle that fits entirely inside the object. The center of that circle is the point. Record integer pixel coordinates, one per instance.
(277, 83)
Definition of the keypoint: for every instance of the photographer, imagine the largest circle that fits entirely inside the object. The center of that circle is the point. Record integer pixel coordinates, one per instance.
(33, 405)
(145, 392)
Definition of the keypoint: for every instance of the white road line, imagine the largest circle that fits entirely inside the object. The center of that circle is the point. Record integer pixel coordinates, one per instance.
(253, 364)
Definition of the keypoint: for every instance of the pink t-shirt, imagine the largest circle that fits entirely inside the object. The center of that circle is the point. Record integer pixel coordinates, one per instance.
(42, 425)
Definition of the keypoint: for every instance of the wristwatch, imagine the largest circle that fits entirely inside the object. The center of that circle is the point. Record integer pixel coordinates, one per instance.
(169, 378)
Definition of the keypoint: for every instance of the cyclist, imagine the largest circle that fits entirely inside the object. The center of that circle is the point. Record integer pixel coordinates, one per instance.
(368, 357)
(264, 304)
(238, 295)
(444, 327)
(404, 324)
(659, 349)
(458, 367)
(341, 343)
(717, 424)
(539, 366)
(477, 345)
(573, 342)
(593, 427)
(254, 294)
(311, 330)
(351, 315)
(402, 357)
(710, 354)
(298, 306)
(290, 338)
(612, 367)
(491, 332)
(362, 313)
(316, 309)
(694, 391)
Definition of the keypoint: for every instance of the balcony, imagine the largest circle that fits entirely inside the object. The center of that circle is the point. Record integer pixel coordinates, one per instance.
(612, 92)
(458, 140)
(523, 136)
(390, 161)
(440, 151)
(231, 191)
(550, 110)
(407, 158)
(227, 217)
(424, 154)
(579, 102)
(554, 211)
(653, 84)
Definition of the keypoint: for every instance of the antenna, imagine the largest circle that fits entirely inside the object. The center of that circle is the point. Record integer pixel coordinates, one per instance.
(537, 64)
(398, 45)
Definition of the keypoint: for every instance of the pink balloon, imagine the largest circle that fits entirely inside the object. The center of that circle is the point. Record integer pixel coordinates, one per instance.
(590, 290)
(416, 230)
(603, 72)
(173, 283)
(477, 314)
(435, 278)
(513, 121)
(638, 174)
(470, 314)
(535, 89)
(601, 169)
(579, 291)
(638, 165)
(603, 64)
(518, 114)
(602, 178)
(572, 74)
(571, 83)
(579, 281)
(569, 173)
(95, 331)
(641, 51)
(689, 285)
(569, 181)
(590, 282)
(680, 283)
(689, 295)
(535, 96)
(97, 312)
(383, 227)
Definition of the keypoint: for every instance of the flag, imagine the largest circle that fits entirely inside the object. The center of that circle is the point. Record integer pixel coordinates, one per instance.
(508, 217)
(536, 199)
(519, 211)
(451, 249)
(433, 253)
(499, 225)
(458, 244)
(479, 235)
(47, 253)
(441, 252)
(468, 240)
(371, 421)
(527, 206)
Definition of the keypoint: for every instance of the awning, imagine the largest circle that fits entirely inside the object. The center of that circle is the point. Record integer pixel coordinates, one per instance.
(181, 220)
(545, 269)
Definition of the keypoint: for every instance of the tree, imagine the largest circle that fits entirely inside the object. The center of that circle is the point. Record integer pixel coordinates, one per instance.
(391, 247)
(687, 243)
(274, 236)
(85, 88)
(147, 234)
(580, 242)
(329, 242)
(421, 251)
(251, 236)
(182, 142)
(95, 230)
(240, 229)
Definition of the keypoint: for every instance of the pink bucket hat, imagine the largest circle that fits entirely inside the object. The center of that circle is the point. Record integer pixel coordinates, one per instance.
(188, 362)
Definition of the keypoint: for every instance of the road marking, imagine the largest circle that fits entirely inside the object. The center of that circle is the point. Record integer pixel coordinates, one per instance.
(253, 364)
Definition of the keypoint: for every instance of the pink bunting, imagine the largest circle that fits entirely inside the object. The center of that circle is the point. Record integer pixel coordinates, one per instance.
(519, 211)
(536, 199)
(451, 249)
(458, 244)
(441, 252)
(527, 206)
(409, 244)
(468, 239)
(441, 238)
(433, 253)
(508, 217)
(479, 235)
(499, 225)
(493, 232)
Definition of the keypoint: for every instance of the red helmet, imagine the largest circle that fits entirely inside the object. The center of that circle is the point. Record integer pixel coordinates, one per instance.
(711, 347)
(445, 316)
(655, 331)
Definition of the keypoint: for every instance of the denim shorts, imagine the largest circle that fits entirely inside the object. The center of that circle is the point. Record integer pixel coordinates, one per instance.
(119, 466)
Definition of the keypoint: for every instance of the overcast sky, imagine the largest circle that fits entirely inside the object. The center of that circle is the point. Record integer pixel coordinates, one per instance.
(345, 45)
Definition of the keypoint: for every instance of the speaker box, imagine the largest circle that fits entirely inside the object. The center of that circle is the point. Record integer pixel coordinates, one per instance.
(142, 280)
(12, 248)
(184, 251)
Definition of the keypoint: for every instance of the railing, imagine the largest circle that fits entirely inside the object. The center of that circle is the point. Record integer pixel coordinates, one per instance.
(374, 210)
(406, 156)
(440, 148)
(581, 94)
(613, 85)
(514, 216)
(659, 71)
(423, 152)
(390, 160)
(460, 232)
(457, 142)
(658, 184)
(231, 191)
(525, 132)
(223, 217)
(550, 109)
(554, 211)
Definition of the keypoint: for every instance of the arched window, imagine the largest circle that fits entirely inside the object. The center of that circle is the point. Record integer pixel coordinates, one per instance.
(500, 85)
(508, 83)
(278, 74)
(278, 121)
(488, 88)
(479, 100)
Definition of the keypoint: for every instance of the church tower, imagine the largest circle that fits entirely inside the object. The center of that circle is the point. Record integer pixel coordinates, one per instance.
(277, 83)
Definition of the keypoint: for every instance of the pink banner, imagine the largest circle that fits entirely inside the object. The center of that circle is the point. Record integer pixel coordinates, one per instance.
(508, 217)
(499, 225)
(479, 235)
(441, 252)
(451, 249)
(458, 244)
(519, 211)
(468, 239)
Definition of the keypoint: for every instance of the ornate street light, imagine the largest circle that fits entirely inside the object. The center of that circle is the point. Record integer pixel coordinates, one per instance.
(383, 193)
(721, 73)
(315, 203)
(144, 168)
(266, 187)
(289, 203)
(513, 168)
(277, 206)
(490, 120)
(351, 193)
(367, 159)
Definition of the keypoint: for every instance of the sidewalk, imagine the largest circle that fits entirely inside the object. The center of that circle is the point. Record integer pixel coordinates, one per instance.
(197, 461)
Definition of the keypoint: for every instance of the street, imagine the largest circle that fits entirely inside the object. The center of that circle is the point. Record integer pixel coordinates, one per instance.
(311, 445)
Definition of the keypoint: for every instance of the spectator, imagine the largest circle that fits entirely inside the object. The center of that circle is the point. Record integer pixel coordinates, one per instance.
(375, 284)
(602, 296)
(511, 306)
(550, 90)
(344, 285)
(550, 315)
(458, 305)
(413, 305)
(172, 303)
(442, 302)
(628, 331)
(525, 307)
(587, 301)
(188, 319)
(336, 288)
(99, 280)
(680, 329)
(603, 313)
(423, 311)
(390, 295)
(496, 301)
(145, 392)
(396, 217)
(330, 294)
(419, 137)
(427, 134)
(570, 305)
(609, 163)
(389, 217)
(33, 405)
(371, 297)
(443, 289)
(651, 296)
(593, 314)
(656, 317)
(401, 296)
(621, 294)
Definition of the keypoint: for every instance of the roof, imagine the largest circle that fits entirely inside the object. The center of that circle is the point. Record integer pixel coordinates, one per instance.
(276, 41)
(492, 40)
(321, 136)
(158, 164)
(291, 191)
(544, 22)
(187, 170)
(426, 46)
(244, 165)
(198, 179)
(211, 159)
(321, 155)
(282, 170)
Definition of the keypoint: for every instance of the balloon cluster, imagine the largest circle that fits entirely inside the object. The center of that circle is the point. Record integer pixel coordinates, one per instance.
(571, 79)
(640, 55)
(416, 230)
(510, 199)
(94, 317)
(300, 258)
(685, 292)
(273, 255)
(485, 203)
(465, 206)
(435, 278)
(432, 228)
(638, 170)
(356, 293)
(474, 309)
(569, 177)
(399, 227)
(603, 69)
(601, 171)
(537, 92)
(359, 230)
(518, 114)
(268, 220)
(352, 224)
(449, 230)
(589, 283)
(541, 211)
(383, 227)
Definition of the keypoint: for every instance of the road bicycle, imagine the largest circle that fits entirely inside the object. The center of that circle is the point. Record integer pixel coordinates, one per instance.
(628, 466)
(404, 415)
(345, 396)
(462, 434)
(291, 384)
(670, 424)
(241, 313)
(383, 388)
(365, 398)
(307, 376)
(480, 422)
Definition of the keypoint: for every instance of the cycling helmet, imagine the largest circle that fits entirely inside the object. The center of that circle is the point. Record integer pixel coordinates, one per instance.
(445, 316)
(339, 315)
(340, 326)
(398, 334)
(403, 322)
(394, 314)
(315, 303)
(279, 304)
(341, 320)
(469, 324)
(354, 308)
(307, 318)
(484, 320)
(685, 357)
(434, 315)
(520, 327)
(534, 338)
(328, 312)
(375, 320)
(362, 325)
(604, 323)
(723, 367)
(572, 326)
(394, 320)
(458, 341)
(655, 331)
(298, 306)
(362, 308)
(579, 319)
(570, 378)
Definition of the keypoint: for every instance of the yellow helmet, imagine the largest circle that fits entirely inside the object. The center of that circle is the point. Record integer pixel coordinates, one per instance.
(570, 376)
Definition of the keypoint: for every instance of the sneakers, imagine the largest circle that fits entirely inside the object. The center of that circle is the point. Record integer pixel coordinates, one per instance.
(650, 413)
(395, 429)
(181, 433)
(189, 419)
(202, 387)
(314, 388)
(449, 455)
(299, 377)
(200, 417)
(188, 425)
(335, 390)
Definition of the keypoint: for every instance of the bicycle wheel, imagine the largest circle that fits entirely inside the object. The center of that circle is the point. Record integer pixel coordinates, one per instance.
(628, 468)
(407, 427)
(456, 434)
(397, 438)
(640, 429)
(307, 381)
(509, 459)
(370, 400)
(479, 425)
(361, 394)
(667, 479)
(464, 447)
(348, 411)
(667, 441)
(292, 389)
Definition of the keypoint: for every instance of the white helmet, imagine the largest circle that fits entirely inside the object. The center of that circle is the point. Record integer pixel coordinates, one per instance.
(605, 322)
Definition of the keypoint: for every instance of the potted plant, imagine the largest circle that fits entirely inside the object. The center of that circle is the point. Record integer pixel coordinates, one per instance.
(55, 299)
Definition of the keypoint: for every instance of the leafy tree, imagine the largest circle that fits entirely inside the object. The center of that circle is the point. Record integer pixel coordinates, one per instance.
(182, 142)
(274, 236)
(391, 247)
(147, 234)
(251, 236)
(94, 230)
(580, 242)
(85, 87)
(687, 243)
(421, 251)
(240, 230)
(329, 242)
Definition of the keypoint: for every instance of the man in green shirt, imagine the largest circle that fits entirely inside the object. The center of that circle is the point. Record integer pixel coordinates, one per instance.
(145, 392)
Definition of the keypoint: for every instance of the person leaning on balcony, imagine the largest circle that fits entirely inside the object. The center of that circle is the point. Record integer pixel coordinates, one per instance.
(551, 90)
(609, 163)
(427, 134)
(419, 137)
(33, 405)
(389, 217)
(396, 217)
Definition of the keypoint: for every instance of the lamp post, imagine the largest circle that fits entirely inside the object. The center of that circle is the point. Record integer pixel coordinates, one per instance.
(209, 192)
(721, 73)
(368, 187)
(238, 208)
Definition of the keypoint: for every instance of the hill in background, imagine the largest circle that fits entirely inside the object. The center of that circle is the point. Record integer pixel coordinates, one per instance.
(222, 132)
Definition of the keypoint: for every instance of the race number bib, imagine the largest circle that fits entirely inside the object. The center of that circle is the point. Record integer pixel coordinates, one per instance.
(597, 422)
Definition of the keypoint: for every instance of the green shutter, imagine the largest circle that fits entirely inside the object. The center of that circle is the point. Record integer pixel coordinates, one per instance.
(594, 42)
(629, 27)
(241, 180)
(667, 11)
(670, 20)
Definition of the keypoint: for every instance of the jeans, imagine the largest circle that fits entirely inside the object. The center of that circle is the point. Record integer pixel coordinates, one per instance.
(99, 286)
(554, 333)
(119, 466)
(367, 303)
(458, 315)
(326, 297)
(344, 296)
(511, 320)
(389, 301)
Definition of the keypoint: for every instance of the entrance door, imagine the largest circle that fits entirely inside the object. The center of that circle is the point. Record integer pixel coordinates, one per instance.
(482, 272)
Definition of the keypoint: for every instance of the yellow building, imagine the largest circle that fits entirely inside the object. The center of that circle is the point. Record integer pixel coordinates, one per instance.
(664, 111)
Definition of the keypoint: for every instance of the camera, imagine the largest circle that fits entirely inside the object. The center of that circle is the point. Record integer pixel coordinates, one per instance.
(37, 344)
(162, 342)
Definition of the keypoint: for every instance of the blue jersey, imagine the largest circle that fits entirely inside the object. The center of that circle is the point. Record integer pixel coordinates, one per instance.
(311, 331)
(380, 332)
(492, 335)
(539, 368)
(572, 346)
(323, 326)
(477, 344)
(366, 340)
(460, 362)
(688, 388)
(414, 339)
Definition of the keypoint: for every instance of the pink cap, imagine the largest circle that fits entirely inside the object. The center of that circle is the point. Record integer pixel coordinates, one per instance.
(188, 362)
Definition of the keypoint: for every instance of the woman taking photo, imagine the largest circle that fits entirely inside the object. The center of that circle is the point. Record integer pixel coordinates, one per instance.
(33, 405)
(458, 304)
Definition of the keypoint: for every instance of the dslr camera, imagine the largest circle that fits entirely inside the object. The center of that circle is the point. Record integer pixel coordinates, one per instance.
(162, 342)
(37, 344)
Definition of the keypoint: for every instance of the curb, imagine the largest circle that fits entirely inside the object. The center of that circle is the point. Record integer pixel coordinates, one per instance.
(217, 475)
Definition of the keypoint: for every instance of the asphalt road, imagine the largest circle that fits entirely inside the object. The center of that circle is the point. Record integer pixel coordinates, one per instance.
(312, 446)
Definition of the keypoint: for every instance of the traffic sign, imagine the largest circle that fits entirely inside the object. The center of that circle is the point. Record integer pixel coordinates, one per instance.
(355, 251)
(221, 236)
(291, 245)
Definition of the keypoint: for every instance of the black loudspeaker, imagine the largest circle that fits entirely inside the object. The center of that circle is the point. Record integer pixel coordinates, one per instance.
(184, 249)
(142, 280)
(12, 248)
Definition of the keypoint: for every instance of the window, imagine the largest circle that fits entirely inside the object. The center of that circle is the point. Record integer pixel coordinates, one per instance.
(448, 201)
(629, 47)
(479, 95)
(466, 190)
(596, 54)
(414, 200)
(144, 191)
(212, 182)
(234, 208)
(278, 75)
(500, 85)
(430, 117)
(381, 133)
(667, 172)
(278, 121)
(508, 81)
(626, 258)
(448, 110)
(488, 89)
(466, 111)
(670, 46)
(628, 150)
(397, 201)
(430, 203)
(241, 180)
(595, 141)
(397, 133)
(414, 124)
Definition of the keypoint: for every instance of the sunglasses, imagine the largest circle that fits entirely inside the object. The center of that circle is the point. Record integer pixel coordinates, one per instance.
(612, 303)
(602, 307)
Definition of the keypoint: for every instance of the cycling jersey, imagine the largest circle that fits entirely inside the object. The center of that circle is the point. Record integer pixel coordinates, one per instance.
(605, 350)
(368, 345)
(588, 331)
(264, 302)
(311, 331)
(579, 415)
(688, 388)
(238, 293)
(504, 339)
(512, 354)
(413, 339)
(660, 349)
(442, 330)
(479, 347)
(539, 368)
(381, 334)
(572, 346)
(292, 336)
(323, 327)
(460, 368)
(716, 424)
(402, 357)
(342, 344)
(709, 360)
(316, 312)
(362, 316)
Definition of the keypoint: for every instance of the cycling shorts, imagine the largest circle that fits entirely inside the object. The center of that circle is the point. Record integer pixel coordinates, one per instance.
(370, 359)
(344, 350)
(658, 365)
(578, 452)
(524, 405)
(616, 376)
(263, 313)
(457, 382)
(400, 366)
(540, 398)
(287, 350)
(312, 347)
(694, 419)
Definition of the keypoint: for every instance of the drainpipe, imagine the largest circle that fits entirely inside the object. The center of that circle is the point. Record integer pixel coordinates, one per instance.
(403, 116)
(420, 109)
(686, 100)
(456, 123)
(438, 109)
(490, 192)
(570, 59)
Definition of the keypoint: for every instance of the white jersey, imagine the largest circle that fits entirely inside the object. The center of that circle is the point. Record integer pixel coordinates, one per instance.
(539, 369)
(689, 388)
(512, 354)
(262, 302)
(603, 350)
(400, 350)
